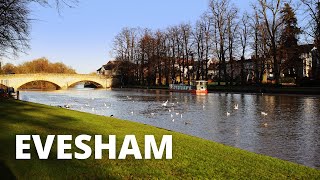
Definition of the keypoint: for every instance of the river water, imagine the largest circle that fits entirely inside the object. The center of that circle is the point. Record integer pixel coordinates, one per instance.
(282, 126)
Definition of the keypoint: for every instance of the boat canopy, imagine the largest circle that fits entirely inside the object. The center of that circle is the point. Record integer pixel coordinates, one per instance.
(201, 84)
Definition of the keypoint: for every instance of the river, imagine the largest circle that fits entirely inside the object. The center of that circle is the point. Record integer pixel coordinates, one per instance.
(282, 126)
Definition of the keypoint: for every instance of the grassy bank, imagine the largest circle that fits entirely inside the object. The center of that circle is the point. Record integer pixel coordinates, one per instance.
(192, 157)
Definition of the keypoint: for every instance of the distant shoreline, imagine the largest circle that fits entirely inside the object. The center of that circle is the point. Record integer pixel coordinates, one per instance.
(247, 89)
(266, 89)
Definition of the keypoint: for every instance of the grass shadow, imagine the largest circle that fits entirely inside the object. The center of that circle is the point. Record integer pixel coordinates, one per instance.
(5, 172)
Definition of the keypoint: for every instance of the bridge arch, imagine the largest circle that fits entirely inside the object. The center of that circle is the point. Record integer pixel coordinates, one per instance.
(32, 81)
(98, 85)
(2, 86)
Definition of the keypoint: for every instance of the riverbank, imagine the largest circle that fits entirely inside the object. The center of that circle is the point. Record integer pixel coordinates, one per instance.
(249, 89)
(267, 89)
(192, 157)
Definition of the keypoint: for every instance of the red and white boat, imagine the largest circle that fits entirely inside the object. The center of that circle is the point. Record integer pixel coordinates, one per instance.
(197, 87)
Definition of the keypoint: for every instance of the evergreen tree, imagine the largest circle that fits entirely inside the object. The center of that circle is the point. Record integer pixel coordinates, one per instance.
(292, 64)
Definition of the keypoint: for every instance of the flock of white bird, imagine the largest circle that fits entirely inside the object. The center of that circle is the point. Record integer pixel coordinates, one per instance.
(171, 110)
(165, 104)
(236, 107)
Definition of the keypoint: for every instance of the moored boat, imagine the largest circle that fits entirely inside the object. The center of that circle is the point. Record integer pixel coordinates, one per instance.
(197, 87)
(201, 87)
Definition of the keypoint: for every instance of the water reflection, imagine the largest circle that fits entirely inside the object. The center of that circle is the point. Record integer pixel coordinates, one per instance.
(290, 130)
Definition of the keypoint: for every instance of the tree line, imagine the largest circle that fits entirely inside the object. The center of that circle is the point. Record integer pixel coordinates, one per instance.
(41, 65)
(269, 34)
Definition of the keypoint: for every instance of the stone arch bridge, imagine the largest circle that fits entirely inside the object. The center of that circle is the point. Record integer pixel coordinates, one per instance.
(62, 81)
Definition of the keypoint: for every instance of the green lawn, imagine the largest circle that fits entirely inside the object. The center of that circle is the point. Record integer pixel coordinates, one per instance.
(192, 157)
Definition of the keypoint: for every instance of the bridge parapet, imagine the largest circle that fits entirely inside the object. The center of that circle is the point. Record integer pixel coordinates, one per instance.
(63, 81)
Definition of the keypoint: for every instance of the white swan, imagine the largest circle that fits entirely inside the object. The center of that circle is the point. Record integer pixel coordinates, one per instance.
(236, 107)
(165, 103)
(228, 114)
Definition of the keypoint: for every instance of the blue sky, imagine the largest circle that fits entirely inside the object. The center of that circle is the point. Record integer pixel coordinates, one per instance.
(82, 37)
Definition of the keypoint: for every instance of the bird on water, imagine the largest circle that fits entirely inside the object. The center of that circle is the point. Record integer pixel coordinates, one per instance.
(165, 103)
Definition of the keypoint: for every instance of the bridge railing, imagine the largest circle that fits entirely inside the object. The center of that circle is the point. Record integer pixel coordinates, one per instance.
(54, 74)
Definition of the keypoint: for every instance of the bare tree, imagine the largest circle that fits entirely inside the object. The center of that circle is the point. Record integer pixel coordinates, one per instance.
(173, 45)
(148, 51)
(232, 33)
(160, 54)
(270, 11)
(243, 36)
(167, 58)
(208, 42)
(14, 26)
(186, 48)
(125, 48)
(202, 40)
(198, 36)
(15, 23)
(221, 11)
(142, 51)
(255, 25)
(179, 41)
(313, 9)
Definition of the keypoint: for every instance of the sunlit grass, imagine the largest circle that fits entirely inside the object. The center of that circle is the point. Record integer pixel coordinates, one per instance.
(192, 157)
